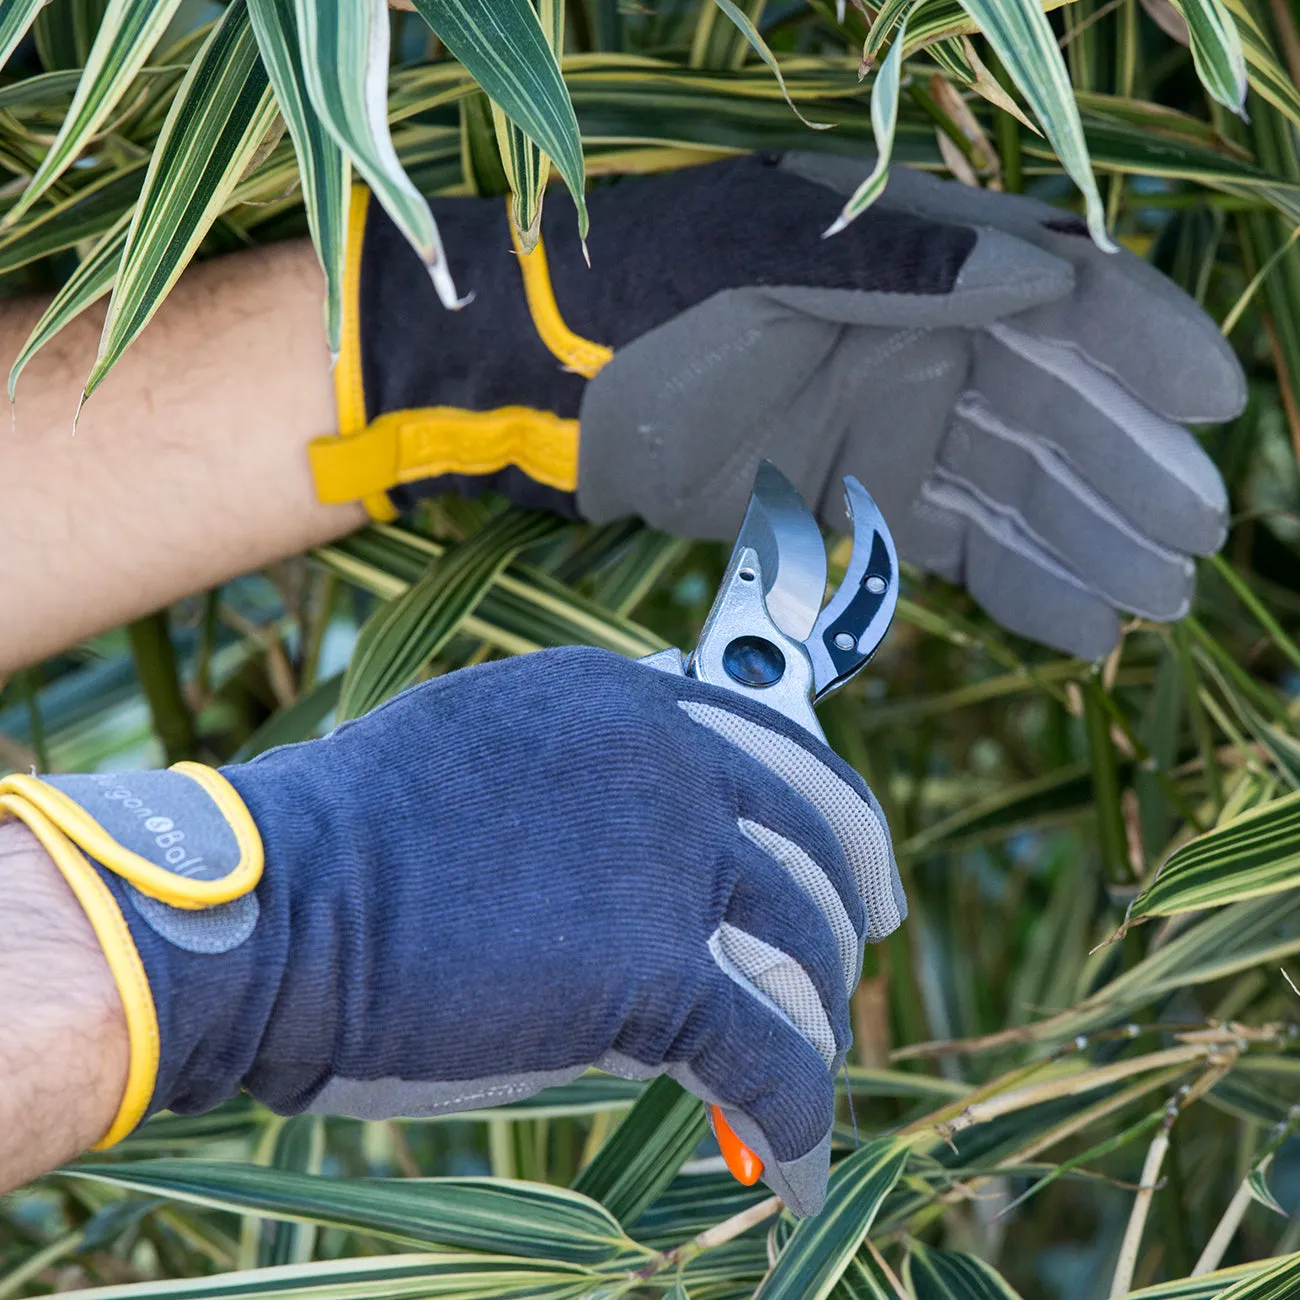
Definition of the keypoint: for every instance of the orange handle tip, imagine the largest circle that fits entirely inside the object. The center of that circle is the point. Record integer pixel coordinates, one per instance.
(745, 1166)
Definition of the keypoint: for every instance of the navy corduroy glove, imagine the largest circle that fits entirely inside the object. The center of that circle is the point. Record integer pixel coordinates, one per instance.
(491, 883)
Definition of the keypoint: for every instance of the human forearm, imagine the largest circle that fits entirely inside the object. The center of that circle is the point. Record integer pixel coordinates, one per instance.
(188, 466)
(63, 1041)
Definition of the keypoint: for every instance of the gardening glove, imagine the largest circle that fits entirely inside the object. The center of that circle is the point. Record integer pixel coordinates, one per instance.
(487, 885)
(1011, 396)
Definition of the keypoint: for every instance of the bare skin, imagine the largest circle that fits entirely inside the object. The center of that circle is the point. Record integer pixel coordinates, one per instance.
(188, 466)
(63, 1039)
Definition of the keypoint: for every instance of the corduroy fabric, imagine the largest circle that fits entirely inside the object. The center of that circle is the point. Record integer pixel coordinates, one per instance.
(513, 870)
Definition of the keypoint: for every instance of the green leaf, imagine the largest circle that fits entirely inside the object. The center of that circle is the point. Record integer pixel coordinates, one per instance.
(884, 120)
(387, 1277)
(1257, 1184)
(297, 722)
(1252, 855)
(1216, 51)
(952, 1275)
(92, 279)
(1217, 1285)
(15, 18)
(745, 25)
(322, 165)
(128, 32)
(85, 214)
(298, 1145)
(406, 633)
(527, 168)
(525, 1219)
(642, 1156)
(1023, 39)
(821, 1248)
(503, 45)
(220, 115)
(344, 59)
(1280, 1282)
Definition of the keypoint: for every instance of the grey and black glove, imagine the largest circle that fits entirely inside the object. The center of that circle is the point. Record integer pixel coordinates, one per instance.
(1013, 397)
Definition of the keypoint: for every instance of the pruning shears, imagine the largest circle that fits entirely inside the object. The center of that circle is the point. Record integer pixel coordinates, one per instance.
(769, 636)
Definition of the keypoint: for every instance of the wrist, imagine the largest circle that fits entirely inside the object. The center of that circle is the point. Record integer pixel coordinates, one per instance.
(64, 1046)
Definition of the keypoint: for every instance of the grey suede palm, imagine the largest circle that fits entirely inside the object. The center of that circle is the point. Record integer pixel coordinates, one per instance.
(1022, 432)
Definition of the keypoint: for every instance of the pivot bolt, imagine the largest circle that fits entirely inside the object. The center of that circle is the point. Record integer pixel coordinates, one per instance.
(753, 661)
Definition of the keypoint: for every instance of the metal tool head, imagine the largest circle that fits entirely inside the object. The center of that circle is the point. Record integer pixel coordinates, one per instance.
(851, 627)
(782, 530)
(765, 636)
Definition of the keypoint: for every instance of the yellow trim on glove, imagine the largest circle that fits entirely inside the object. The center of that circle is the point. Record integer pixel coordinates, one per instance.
(407, 446)
(157, 882)
(577, 353)
(123, 959)
(349, 387)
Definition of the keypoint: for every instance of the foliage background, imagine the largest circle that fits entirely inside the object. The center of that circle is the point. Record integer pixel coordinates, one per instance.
(1145, 1090)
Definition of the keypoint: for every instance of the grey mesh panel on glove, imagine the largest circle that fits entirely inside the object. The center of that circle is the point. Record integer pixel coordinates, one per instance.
(1021, 431)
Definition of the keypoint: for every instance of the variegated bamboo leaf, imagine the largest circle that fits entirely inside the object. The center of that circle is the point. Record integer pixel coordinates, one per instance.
(821, 1247)
(1212, 1286)
(1019, 32)
(527, 168)
(1281, 1282)
(523, 1219)
(1257, 1183)
(1216, 51)
(745, 26)
(220, 116)
(344, 48)
(92, 279)
(884, 121)
(642, 1156)
(506, 47)
(15, 18)
(1255, 854)
(408, 632)
(932, 1274)
(322, 165)
(128, 32)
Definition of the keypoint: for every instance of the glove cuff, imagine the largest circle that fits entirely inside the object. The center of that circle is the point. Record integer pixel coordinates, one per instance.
(156, 860)
(392, 448)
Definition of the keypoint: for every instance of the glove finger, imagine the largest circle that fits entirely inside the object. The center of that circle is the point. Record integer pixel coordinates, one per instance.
(1124, 316)
(775, 1090)
(1153, 471)
(774, 938)
(1021, 476)
(833, 788)
(1028, 590)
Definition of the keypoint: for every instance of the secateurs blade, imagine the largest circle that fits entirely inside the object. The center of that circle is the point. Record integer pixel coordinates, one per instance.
(769, 636)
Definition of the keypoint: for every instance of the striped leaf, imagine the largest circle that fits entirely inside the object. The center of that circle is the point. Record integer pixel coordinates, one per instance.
(406, 633)
(1213, 1286)
(507, 50)
(527, 168)
(1023, 39)
(220, 115)
(1255, 854)
(932, 1274)
(821, 1248)
(92, 279)
(15, 18)
(322, 165)
(386, 1277)
(745, 25)
(1281, 1282)
(297, 1144)
(884, 119)
(344, 59)
(129, 30)
(1217, 51)
(642, 1156)
(524, 1219)
(85, 214)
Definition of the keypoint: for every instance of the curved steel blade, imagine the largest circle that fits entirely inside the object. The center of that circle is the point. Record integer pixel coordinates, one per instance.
(791, 553)
(856, 618)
